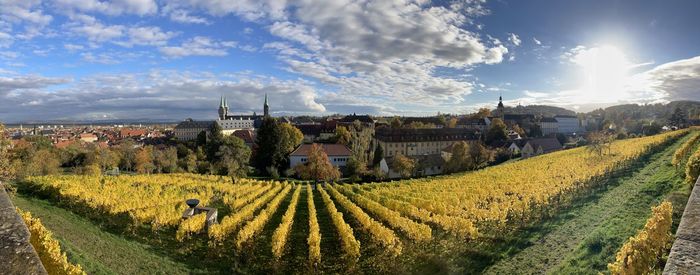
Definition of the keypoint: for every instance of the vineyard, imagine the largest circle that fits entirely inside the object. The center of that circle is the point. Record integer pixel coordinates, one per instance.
(284, 226)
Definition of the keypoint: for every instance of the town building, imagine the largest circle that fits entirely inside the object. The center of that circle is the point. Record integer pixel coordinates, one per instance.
(88, 137)
(434, 122)
(548, 125)
(189, 129)
(414, 142)
(479, 124)
(230, 123)
(338, 154)
(539, 146)
(568, 124)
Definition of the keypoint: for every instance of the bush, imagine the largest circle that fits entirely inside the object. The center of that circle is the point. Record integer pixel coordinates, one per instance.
(643, 253)
(692, 168)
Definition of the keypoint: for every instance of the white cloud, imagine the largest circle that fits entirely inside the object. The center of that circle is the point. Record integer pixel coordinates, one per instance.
(514, 39)
(95, 31)
(114, 7)
(28, 11)
(144, 95)
(198, 46)
(677, 80)
(102, 58)
(152, 36)
(182, 16)
(73, 47)
(536, 41)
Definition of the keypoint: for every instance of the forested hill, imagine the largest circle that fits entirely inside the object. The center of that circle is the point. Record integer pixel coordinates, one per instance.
(539, 110)
(691, 109)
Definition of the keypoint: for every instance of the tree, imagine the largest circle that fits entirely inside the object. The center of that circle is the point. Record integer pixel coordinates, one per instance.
(460, 159)
(520, 131)
(479, 155)
(290, 137)
(378, 155)
(165, 160)
(342, 135)
(233, 157)
(269, 152)
(216, 137)
(43, 162)
(104, 158)
(482, 113)
(144, 160)
(497, 131)
(6, 170)
(678, 118)
(403, 165)
(360, 139)
(652, 129)
(201, 139)
(451, 123)
(356, 169)
(395, 122)
(127, 151)
(318, 166)
(598, 142)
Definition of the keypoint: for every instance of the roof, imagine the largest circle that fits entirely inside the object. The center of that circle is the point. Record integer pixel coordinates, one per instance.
(314, 129)
(547, 144)
(432, 119)
(88, 135)
(132, 132)
(548, 119)
(425, 134)
(193, 124)
(329, 149)
(565, 116)
(471, 121)
(246, 135)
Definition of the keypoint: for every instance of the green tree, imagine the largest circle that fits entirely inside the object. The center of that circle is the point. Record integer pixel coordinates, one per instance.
(201, 139)
(318, 166)
(127, 151)
(233, 157)
(403, 165)
(678, 118)
(497, 131)
(165, 160)
(356, 169)
(378, 155)
(269, 151)
(216, 137)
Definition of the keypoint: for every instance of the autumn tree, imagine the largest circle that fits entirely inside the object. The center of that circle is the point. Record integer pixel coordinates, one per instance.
(460, 159)
(6, 171)
(451, 123)
(497, 131)
(233, 157)
(395, 122)
(342, 135)
(144, 160)
(318, 166)
(479, 155)
(165, 160)
(356, 169)
(127, 151)
(290, 137)
(403, 165)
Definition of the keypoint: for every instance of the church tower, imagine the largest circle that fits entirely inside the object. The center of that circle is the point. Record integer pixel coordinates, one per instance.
(500, 109)
(266, 108)
(225, 107)
(222, 109)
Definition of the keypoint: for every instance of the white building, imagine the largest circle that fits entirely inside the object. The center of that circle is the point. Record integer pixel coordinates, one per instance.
(228, 126)
(568, 124)
(548, 125)
(338, 154)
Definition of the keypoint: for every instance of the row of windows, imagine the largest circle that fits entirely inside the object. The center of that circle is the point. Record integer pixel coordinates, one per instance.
(422, 144)
(334, 159)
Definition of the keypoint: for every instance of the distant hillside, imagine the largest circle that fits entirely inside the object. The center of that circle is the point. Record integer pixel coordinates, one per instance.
(539, 110)
(650, 111)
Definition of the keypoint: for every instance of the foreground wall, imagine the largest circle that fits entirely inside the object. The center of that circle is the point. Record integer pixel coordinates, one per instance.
(685, 254)
(17, 256)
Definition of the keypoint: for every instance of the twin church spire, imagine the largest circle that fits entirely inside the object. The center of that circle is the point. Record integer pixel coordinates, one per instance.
(223, 108)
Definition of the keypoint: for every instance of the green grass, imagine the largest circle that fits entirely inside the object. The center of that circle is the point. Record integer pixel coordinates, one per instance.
(586, 237)
(98, 251)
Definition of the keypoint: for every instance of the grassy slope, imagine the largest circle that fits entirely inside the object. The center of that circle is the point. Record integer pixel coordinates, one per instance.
(98, 251)
(585, 238)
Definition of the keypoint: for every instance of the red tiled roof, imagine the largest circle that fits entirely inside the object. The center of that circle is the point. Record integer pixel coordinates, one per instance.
(132, 132)
(245, 135)
(330, 149)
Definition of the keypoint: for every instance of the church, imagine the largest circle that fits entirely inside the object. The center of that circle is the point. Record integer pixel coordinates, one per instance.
(230, 123)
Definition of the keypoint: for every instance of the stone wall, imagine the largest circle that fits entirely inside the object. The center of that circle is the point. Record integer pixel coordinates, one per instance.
(17, 256)
(685, 254)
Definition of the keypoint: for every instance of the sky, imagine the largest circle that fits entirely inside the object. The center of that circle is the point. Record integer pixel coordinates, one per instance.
(174, 59)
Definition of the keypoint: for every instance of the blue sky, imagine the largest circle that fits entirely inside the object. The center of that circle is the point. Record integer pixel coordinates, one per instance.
(99, 59)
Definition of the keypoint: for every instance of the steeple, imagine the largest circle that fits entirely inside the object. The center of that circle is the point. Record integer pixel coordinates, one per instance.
(266, 108)
(222, 108)
(225, 107)
(500, 108)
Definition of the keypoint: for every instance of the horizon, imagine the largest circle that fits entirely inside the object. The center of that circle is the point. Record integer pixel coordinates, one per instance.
(86, 60)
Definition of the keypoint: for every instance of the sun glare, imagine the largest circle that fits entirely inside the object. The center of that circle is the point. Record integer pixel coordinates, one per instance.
(605, 73)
